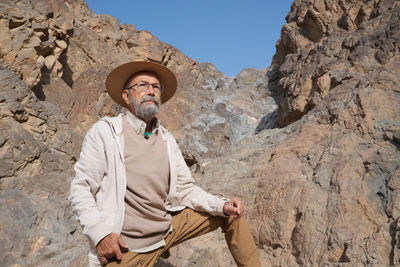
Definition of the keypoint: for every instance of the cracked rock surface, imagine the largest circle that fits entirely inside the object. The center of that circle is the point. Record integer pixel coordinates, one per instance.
(312, 144)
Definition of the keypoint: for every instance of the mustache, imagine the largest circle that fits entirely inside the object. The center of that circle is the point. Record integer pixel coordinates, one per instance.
(149, 98)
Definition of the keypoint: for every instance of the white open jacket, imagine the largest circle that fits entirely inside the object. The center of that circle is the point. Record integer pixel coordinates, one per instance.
(97, 191)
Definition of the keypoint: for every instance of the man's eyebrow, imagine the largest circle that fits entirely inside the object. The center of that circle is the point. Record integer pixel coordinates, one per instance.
(149, 82)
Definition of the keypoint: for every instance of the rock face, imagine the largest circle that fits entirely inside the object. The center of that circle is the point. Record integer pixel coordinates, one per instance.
(326, 191)
(326, 43)
(37, 151)
(323, 189)
(55, 56)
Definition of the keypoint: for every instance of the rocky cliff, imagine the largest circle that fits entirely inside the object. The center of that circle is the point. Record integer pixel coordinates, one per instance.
(311, 143)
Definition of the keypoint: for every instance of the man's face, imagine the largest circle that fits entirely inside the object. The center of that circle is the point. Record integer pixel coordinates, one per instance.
(144, 104)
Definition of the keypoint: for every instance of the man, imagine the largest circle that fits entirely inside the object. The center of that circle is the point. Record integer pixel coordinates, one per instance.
(133, 193)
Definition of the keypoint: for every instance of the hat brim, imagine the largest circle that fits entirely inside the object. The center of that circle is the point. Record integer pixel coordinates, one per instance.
(117, 78)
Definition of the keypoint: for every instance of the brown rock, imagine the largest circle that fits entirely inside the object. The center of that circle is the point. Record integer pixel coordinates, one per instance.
(5, 37)
(323, 190)
(302, 87)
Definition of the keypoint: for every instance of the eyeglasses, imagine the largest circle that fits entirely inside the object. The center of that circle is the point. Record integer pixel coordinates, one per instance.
(144, 86)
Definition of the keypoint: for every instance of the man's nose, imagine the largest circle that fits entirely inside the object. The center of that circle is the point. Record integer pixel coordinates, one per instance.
(150, 90)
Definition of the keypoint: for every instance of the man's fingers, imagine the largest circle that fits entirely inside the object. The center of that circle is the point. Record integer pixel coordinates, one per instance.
(118, 253)
(122, 243)
(238, 204)
(240, 209)
(234, 207)
(103, 260)
(237, 207)
(239, 215)
(110, 247)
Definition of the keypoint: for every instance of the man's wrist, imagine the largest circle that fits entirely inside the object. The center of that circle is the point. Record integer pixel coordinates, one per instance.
(223, 209)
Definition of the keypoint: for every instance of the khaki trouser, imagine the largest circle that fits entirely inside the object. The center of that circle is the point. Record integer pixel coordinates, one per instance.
(188, 224)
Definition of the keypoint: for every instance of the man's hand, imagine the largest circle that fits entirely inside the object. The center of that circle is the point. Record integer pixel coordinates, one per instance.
(234, 207)
(110, 247)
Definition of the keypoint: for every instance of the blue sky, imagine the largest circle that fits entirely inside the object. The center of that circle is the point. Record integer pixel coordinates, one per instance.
(232, 35)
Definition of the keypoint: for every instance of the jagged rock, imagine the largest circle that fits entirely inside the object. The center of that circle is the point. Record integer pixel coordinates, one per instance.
(32, 30)
(340, 203)
(63, 51)
(321, 190)
(332, 50)
(324, 186)
(37, 152)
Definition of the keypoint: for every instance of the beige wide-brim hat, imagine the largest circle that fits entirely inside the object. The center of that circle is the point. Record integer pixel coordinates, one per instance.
(117, 78)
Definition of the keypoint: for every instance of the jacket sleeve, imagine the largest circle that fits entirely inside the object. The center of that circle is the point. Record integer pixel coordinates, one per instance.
(189, 194)
(89, 171)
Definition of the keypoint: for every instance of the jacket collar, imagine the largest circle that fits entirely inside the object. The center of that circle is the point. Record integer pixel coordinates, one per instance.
(115, 123)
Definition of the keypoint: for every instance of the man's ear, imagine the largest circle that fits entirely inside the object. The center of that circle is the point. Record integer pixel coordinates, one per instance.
(125, 97)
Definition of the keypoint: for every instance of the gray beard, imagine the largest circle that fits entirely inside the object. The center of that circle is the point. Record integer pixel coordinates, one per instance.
(148, 111)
